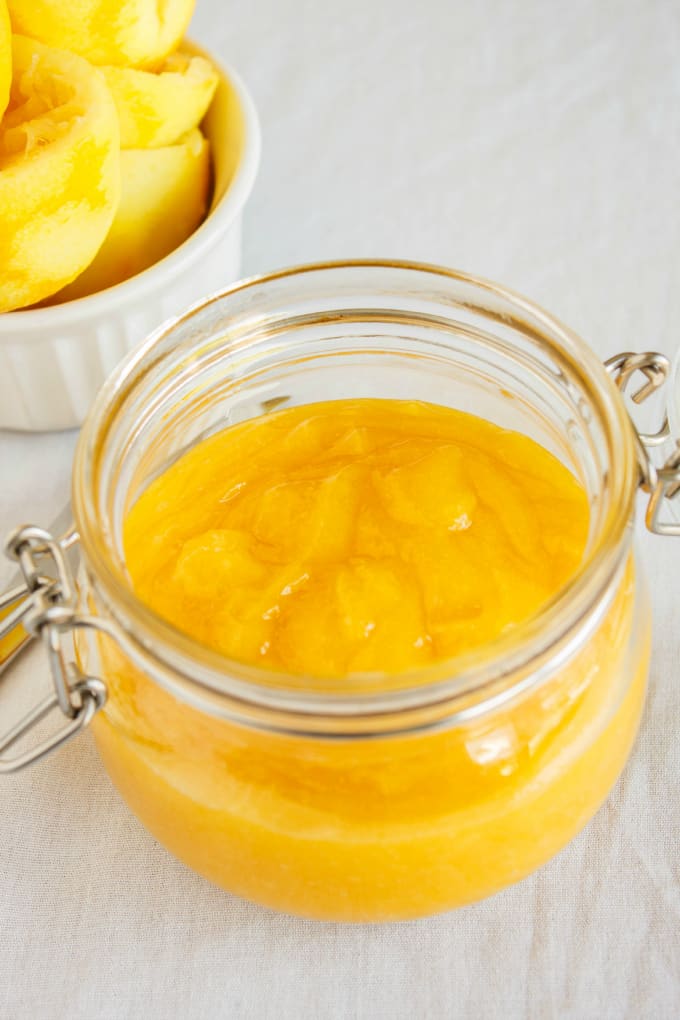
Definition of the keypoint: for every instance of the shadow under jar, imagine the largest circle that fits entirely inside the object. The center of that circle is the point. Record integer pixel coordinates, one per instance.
(368, 798)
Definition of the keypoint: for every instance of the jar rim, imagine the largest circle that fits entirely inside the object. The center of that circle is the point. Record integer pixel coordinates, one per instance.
(276, 701)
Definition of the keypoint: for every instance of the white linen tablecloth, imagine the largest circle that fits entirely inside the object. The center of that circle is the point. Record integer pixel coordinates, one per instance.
(534, 142)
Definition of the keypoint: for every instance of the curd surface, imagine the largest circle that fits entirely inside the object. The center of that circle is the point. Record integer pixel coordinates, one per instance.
(356, 535)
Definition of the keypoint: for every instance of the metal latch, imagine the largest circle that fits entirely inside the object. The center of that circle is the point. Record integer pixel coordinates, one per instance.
(45, 606)
(662, 483)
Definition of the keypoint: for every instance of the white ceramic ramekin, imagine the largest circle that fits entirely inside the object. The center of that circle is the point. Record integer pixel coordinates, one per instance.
(53, 360)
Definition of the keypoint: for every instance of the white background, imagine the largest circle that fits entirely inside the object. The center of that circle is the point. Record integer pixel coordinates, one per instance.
(534, 142)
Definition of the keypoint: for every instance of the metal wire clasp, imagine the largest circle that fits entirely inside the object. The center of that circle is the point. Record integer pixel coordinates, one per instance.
(46, 606)
(661, 483)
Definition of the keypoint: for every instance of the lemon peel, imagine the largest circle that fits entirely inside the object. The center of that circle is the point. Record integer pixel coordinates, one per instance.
(164, 197)
(59, 171)
(135, 33)
(5, 56)
(157, 108)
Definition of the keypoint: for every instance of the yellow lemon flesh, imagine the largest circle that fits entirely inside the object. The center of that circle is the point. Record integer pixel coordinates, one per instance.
(59, 171)
(5, 57)
(164, 198)
(121, 32)
(158, 108)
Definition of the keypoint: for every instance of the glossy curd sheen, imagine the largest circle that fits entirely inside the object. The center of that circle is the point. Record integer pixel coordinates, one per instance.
(355, 538)
(356, 535)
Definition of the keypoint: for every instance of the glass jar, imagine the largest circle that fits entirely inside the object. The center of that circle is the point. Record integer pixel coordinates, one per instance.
(374, 798)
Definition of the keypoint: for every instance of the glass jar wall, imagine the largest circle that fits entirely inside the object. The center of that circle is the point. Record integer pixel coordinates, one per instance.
(383, 797)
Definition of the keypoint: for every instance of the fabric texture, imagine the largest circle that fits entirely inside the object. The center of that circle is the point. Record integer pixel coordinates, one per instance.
(531, 142)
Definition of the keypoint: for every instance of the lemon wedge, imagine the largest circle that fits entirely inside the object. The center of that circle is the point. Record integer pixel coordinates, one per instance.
(164, 197)
(158, 108)
(5, 57)
(59, 171)
(121, 32)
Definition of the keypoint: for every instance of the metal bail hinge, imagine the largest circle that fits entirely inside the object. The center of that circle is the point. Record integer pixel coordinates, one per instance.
(661, 483)
(46, 607)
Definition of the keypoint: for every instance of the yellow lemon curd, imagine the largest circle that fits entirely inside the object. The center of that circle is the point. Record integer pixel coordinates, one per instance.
(347, 543)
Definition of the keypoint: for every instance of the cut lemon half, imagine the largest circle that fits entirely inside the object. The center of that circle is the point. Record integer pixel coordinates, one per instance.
(59, 171)
(158, 108)
(164, 198)
(5, 57)
(138, 33)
